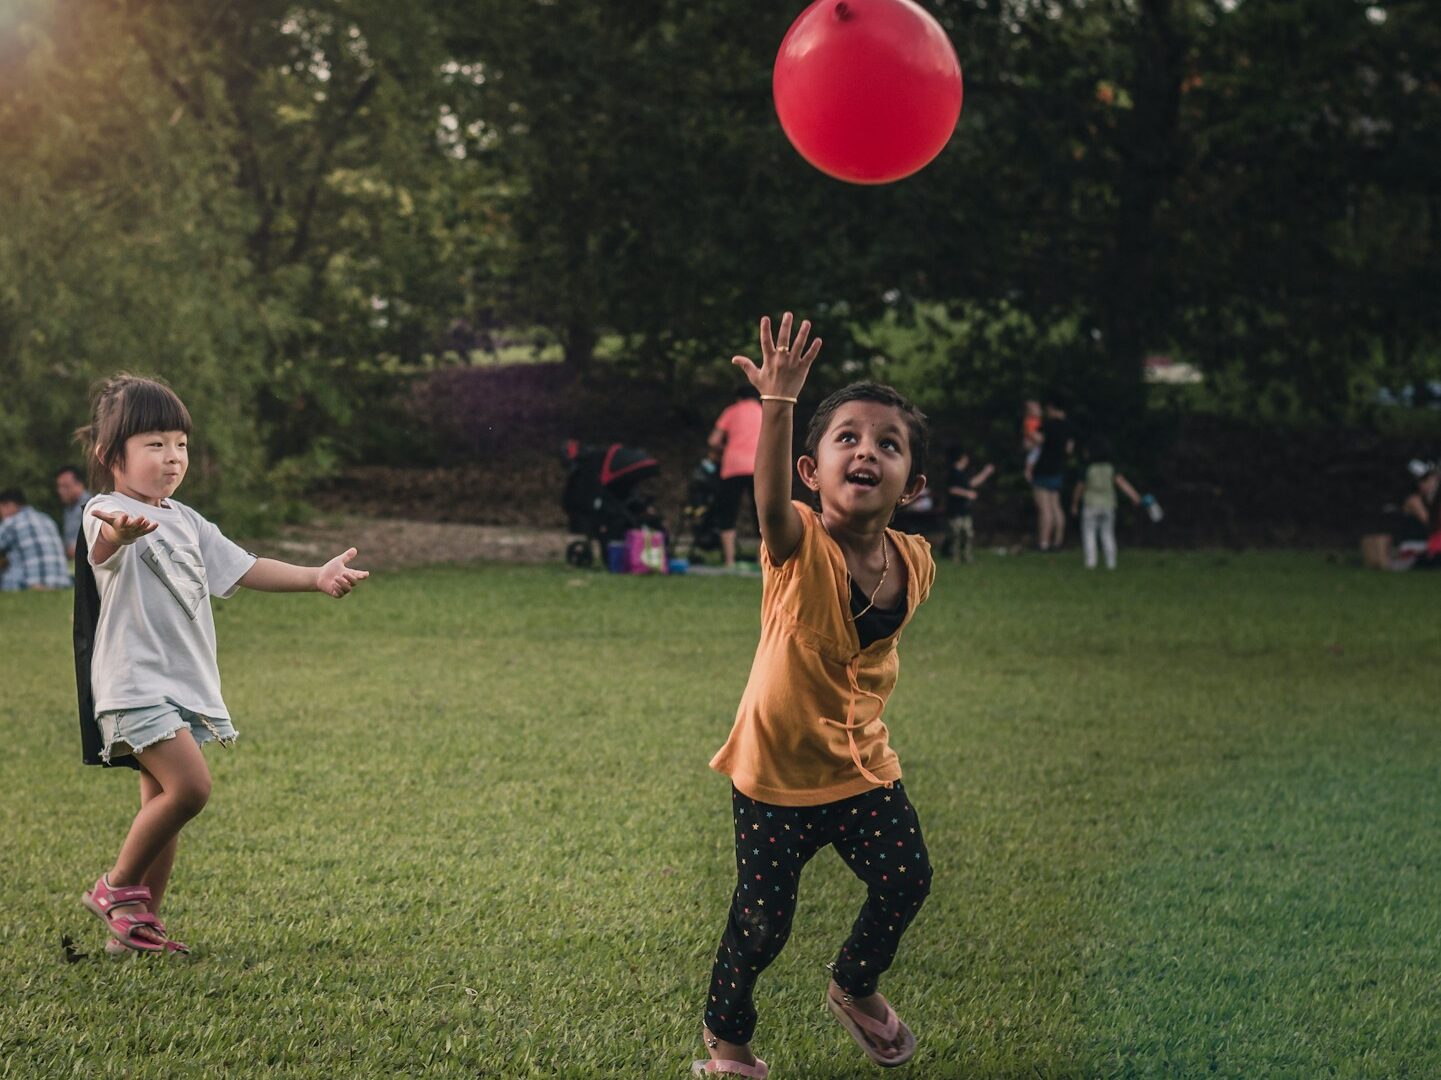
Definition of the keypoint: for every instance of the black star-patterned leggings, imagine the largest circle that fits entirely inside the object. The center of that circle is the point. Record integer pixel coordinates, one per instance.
(879, 837)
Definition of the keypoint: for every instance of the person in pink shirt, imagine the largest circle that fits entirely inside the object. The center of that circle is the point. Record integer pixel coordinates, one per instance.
(736, 433)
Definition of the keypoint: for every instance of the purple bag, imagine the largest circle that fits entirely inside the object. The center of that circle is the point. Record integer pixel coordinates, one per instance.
(645, 549)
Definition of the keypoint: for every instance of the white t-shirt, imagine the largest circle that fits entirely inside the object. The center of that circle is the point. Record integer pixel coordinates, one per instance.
(155, 641)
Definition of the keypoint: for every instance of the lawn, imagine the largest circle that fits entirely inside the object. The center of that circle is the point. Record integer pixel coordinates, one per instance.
(1183, 818)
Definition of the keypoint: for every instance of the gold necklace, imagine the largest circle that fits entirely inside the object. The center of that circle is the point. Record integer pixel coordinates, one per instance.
(885, 569)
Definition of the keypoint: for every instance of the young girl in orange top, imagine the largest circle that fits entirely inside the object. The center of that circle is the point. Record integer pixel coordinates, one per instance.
(808, 757)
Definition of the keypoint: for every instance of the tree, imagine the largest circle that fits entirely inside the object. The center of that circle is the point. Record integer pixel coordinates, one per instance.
(115, 252)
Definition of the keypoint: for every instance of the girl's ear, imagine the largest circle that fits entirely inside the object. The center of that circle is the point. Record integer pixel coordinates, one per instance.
(914, 488)
(806, 466)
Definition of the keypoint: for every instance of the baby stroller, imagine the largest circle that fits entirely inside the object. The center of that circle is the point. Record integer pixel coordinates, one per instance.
(698, 514)
(603, 496)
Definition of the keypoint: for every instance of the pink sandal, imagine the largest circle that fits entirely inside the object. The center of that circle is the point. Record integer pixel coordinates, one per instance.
(102, 901)
(870, 1035)
(712, 1066)
(118, 948)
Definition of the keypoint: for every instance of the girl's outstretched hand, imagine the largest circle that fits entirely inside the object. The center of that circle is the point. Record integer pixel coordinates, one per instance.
(336, 578)
(127, 529)
(784, 364)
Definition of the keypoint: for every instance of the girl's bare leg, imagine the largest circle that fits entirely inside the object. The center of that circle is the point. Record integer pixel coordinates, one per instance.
(1043, 518)
(157, 875)
(1058, 519)
(174, 787)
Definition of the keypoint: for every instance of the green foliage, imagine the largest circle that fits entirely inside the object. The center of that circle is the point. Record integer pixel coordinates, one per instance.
(976, 359)
(247, 200)
(1307, 224)
(115, 254)
(281, 206)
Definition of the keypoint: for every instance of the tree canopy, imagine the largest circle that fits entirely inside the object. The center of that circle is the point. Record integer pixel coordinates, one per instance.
(279, 205)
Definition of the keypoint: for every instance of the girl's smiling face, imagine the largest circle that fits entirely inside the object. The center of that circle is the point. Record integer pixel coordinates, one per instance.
(862, 463)
(153, 465)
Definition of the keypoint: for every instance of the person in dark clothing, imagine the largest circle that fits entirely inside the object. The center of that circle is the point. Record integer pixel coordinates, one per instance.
(1431, 558)
(961, 489)
(1058, 439)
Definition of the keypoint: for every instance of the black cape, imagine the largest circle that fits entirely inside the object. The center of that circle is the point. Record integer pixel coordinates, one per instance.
(87, 618)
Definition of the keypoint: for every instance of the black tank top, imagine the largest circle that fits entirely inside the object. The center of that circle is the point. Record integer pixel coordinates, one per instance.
(878, 622)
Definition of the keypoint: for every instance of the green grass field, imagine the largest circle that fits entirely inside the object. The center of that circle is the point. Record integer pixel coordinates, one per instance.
(1183, 818)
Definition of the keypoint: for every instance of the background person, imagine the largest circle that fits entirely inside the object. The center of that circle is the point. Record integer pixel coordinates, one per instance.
(962, 487)
(1410, 537)
(34, 553)
(736, 433)
(1098, 488)
(1031, 435)
(1418, 506)
(1058, 439)
(70, 486)
(1430, 558)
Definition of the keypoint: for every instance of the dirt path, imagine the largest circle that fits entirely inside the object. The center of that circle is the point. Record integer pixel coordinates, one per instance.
(387, 544)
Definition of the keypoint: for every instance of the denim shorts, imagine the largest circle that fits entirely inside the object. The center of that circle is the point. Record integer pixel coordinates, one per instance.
(1049, 482)
(131, 731)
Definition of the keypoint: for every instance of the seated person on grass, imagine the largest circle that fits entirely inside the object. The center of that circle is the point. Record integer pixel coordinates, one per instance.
(31, 544)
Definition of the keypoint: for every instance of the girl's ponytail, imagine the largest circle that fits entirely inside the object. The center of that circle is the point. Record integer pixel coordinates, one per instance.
(97, 477)
(121, 406)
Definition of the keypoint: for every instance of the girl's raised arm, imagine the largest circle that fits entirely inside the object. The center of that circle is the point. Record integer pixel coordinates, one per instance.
(779, 378)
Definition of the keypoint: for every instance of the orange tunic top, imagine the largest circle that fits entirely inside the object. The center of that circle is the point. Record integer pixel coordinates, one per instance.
(809, 727)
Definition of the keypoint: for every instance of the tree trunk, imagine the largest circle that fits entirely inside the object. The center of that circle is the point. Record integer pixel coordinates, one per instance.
(579, 334)
(579, 343)
(1134, 302)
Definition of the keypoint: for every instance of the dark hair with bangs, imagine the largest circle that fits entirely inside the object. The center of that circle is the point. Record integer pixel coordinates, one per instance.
(126, 405)
(916, 427)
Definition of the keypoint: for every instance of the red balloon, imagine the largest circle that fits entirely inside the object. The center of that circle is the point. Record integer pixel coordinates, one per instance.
(868, 91)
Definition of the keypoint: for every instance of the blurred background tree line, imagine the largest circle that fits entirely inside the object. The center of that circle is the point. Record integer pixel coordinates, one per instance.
(299, 212)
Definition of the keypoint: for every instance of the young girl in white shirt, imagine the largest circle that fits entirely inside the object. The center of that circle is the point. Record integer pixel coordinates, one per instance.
(147, 567)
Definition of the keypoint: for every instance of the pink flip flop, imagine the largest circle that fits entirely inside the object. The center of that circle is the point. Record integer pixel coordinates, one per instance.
(714, 1067)
(102, 900)
(872, 1035)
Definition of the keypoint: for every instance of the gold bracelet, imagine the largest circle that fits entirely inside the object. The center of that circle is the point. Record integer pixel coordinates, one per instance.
(778, 397)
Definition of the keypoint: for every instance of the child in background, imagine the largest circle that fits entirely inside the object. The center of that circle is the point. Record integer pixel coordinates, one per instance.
(1031, 436)
(1098, 488)
(145, 639)
(961, 489)
(808, 756)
